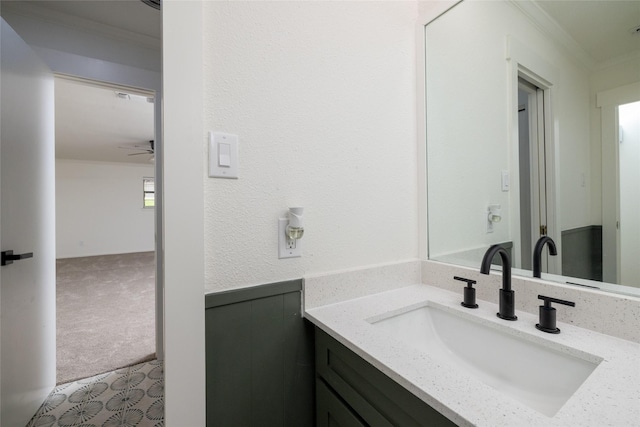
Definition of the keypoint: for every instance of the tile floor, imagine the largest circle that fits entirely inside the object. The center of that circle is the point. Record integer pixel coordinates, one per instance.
(132, 396)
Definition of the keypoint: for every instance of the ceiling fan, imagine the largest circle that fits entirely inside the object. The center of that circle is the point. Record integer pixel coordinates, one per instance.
(144, 148)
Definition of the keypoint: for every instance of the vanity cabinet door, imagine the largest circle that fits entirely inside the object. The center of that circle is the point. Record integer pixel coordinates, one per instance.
(331, 411)
(369, 395)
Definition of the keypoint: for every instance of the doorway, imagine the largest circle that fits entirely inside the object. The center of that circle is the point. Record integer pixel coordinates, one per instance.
(93, 43)
(534, 171)
(105, 249)
(619, 110)
(628, 161)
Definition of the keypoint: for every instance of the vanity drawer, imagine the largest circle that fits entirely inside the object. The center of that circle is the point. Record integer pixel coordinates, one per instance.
(374, 397)
(332, 411)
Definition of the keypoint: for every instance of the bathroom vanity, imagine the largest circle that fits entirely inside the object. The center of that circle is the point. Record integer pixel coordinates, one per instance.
(414, 355)
(352, 392)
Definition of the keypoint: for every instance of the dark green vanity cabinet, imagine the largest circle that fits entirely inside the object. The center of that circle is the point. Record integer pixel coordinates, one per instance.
(351, 392)
(259, 358)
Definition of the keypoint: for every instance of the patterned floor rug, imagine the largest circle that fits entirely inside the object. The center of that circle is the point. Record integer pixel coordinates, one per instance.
(132, 396)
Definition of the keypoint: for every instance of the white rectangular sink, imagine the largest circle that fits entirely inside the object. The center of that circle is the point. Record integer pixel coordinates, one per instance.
(537, 375)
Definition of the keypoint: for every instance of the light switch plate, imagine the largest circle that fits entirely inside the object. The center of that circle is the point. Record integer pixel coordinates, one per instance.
(505, 180)
(287, 248)
(223, 163)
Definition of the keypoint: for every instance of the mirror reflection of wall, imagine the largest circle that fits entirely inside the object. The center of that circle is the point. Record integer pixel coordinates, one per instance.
(487, 64)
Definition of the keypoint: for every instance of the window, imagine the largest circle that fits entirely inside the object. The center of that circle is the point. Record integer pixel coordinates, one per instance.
(148, 193)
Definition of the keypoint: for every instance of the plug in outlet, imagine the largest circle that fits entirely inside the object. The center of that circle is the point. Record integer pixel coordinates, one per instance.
(287, 248)
(290, 243)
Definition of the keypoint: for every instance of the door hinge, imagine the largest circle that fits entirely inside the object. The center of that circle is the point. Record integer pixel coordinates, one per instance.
(543, 230)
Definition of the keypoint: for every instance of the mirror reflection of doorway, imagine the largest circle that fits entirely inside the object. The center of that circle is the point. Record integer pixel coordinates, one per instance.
(619, 117)
(628, 198)
(532, 169)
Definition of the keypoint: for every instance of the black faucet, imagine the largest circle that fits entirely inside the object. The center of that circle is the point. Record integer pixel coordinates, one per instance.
(548, 314)
(537, 253)
(469, 293)
(507, 300)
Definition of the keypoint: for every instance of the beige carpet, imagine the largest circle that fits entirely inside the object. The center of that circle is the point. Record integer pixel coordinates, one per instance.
(105, 313)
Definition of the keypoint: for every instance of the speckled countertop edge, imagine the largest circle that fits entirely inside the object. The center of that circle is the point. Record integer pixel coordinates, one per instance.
(609, 396)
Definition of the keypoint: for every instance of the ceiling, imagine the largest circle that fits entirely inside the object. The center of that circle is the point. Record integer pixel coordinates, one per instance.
(95, 123)
(129, 15)
(602, 27)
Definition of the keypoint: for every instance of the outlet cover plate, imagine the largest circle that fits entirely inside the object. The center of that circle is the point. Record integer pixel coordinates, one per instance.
(287, 248)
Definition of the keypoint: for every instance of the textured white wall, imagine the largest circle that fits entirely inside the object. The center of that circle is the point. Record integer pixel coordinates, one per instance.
(322, 96)
(99, 209)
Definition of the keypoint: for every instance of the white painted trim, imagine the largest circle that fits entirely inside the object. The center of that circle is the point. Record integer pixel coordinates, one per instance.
(610, 179)
(421, 134)
(436, 10)
(99, 70)
(184, 140)
(105, 85)
(547, 25)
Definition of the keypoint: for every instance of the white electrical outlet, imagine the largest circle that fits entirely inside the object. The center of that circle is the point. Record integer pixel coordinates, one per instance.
(287, 248)
(290, 243)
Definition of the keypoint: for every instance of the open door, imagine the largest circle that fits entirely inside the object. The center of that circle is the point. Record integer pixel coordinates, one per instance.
(27, 227)
(536, 205)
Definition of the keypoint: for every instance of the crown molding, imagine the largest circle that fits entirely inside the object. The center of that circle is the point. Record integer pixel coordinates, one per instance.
(550, 27)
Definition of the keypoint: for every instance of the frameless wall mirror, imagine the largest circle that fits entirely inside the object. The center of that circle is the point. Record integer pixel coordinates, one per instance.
(533, 128)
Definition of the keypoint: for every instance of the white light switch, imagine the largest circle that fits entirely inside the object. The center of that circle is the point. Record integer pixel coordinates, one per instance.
(223, 155)
(506, 181)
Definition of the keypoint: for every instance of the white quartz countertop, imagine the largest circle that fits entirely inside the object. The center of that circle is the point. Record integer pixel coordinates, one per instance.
(610, 396)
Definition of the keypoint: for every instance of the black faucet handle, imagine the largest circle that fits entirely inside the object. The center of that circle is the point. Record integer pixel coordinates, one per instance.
(469, 293)
(548, 314)
(470, 282)
(549, 300)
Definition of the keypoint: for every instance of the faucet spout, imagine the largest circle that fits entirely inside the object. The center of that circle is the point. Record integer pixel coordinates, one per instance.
(507, 296)
(537, 253)
(506, 264)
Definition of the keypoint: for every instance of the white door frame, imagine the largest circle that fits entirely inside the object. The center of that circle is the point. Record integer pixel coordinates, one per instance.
(527, 64)
(185, 140)
(159, 271)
